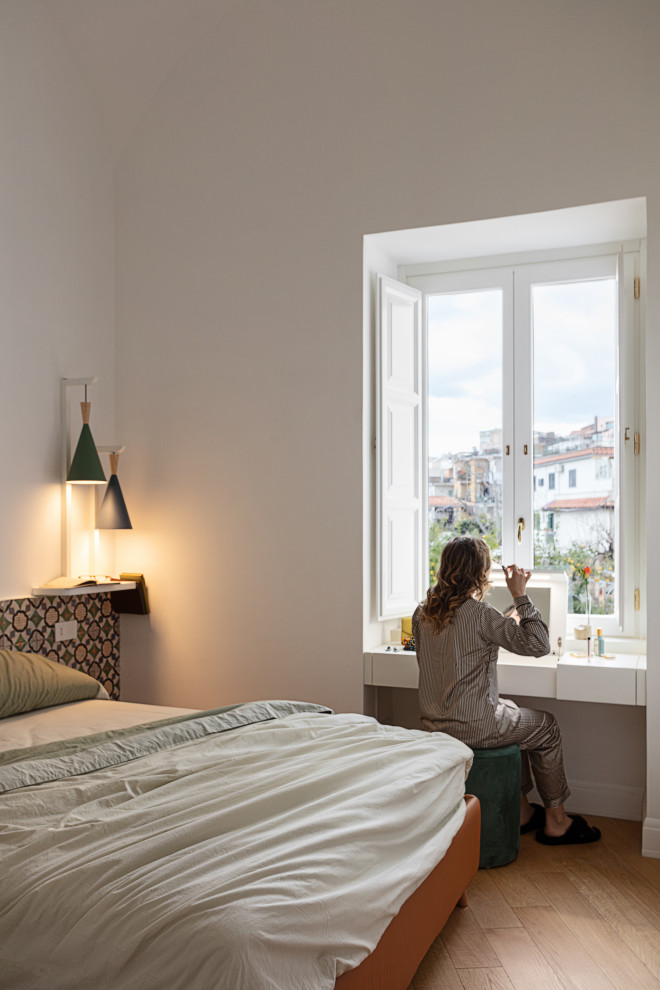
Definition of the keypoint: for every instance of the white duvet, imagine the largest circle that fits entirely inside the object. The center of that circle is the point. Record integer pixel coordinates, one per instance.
(78, 718)
(269, 857)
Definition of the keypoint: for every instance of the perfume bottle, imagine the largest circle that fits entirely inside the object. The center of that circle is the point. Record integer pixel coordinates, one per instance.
(599, 646)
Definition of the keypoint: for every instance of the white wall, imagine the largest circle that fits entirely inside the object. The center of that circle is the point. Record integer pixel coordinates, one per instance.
(56, 282)
(287, 135)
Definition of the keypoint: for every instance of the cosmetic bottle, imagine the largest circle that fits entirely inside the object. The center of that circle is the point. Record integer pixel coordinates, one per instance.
(599, 646)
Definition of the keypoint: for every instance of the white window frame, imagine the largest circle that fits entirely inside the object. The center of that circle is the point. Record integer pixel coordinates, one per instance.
(624, 261)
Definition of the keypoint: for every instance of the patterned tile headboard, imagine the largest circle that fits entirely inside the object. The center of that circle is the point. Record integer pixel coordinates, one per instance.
(28, 624)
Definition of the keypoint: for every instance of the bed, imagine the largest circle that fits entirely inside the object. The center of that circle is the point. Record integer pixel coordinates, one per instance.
(271, 845)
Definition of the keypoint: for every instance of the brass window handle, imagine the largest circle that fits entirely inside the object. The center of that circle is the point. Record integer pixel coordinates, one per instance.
(521, 526)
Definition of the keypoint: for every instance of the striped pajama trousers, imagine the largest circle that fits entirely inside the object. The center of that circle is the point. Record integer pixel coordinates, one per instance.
(538, 736)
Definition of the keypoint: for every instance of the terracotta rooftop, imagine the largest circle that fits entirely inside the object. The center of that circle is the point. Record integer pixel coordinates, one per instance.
(444, 501)
(572, 455)
(599, 502)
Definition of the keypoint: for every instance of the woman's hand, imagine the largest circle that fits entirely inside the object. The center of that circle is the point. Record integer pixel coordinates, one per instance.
(516, 579)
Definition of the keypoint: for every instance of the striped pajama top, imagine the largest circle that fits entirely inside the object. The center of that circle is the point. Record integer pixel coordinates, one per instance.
(458, 691)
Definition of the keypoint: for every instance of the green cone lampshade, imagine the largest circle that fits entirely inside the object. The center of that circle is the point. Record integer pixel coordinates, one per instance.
(113, 513)
(86, 466)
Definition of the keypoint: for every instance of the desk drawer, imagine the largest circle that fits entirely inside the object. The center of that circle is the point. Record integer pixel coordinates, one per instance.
(611, 682)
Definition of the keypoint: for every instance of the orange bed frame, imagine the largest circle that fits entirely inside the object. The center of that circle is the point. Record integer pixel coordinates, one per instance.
(406, 940)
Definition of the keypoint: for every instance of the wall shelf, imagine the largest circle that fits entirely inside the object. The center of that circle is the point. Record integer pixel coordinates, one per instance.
(83, 589)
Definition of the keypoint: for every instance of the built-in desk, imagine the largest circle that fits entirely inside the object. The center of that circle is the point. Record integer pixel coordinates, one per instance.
(620, 681)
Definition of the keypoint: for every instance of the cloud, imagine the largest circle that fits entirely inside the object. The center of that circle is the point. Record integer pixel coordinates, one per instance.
(574, 354)
(574, 361)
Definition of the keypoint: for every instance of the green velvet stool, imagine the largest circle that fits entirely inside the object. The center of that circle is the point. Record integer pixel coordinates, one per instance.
(495, 779)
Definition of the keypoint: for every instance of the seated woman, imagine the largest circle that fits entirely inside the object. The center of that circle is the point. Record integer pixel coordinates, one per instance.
(457, 638)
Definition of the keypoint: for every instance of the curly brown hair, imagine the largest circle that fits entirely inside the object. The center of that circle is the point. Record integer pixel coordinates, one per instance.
(463, 572)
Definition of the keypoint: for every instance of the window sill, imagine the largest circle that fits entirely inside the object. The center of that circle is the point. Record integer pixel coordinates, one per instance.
(613, 644)
(620, 681)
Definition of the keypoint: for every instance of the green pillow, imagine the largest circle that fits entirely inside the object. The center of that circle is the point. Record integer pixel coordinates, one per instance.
(28, 681)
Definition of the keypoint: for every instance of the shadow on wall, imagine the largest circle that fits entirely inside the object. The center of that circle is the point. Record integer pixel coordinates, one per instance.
(142, 678)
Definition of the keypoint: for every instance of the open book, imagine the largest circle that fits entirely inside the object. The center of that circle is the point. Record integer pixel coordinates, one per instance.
(74, 582)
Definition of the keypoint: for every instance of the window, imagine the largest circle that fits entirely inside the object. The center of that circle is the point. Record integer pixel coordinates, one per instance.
(523, 367)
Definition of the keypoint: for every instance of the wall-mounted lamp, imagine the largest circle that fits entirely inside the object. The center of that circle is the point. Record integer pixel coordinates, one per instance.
(113, 513)
(79, 474)
(86, 466)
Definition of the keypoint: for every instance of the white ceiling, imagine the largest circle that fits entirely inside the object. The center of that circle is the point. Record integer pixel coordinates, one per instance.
(127, 48)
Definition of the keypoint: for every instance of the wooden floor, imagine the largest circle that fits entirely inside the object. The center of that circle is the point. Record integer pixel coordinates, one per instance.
(571, 918)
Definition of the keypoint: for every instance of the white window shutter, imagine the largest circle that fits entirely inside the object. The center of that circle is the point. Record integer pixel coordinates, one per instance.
(399, 443)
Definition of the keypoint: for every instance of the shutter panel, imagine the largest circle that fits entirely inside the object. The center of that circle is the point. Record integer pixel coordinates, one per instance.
(400, 443)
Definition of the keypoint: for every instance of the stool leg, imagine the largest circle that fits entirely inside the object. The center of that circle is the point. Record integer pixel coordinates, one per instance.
(463, 900)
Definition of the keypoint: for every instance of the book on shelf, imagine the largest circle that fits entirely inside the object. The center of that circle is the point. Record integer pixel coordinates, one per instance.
(66, 581)
(135, 601)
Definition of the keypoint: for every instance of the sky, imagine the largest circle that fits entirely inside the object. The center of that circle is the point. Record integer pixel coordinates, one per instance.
(574, 361)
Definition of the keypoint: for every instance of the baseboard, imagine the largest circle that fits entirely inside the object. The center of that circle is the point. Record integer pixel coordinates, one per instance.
(605, 800)
(651, 838)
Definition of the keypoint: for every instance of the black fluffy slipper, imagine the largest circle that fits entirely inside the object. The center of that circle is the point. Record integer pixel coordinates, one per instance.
(536, 822)
(579, 832)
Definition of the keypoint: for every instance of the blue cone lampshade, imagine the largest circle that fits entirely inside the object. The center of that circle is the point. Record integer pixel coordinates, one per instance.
(86, 466)
(113, 513)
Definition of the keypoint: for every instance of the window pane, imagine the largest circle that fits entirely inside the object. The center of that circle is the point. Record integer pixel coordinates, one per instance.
(574, 442)
(465, 418)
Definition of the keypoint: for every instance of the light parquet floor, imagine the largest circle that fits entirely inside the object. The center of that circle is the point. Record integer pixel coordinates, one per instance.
(564, 918)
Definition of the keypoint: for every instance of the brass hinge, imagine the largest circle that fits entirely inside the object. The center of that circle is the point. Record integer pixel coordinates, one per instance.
(637, 599)
(636, 285)
(636, 447)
